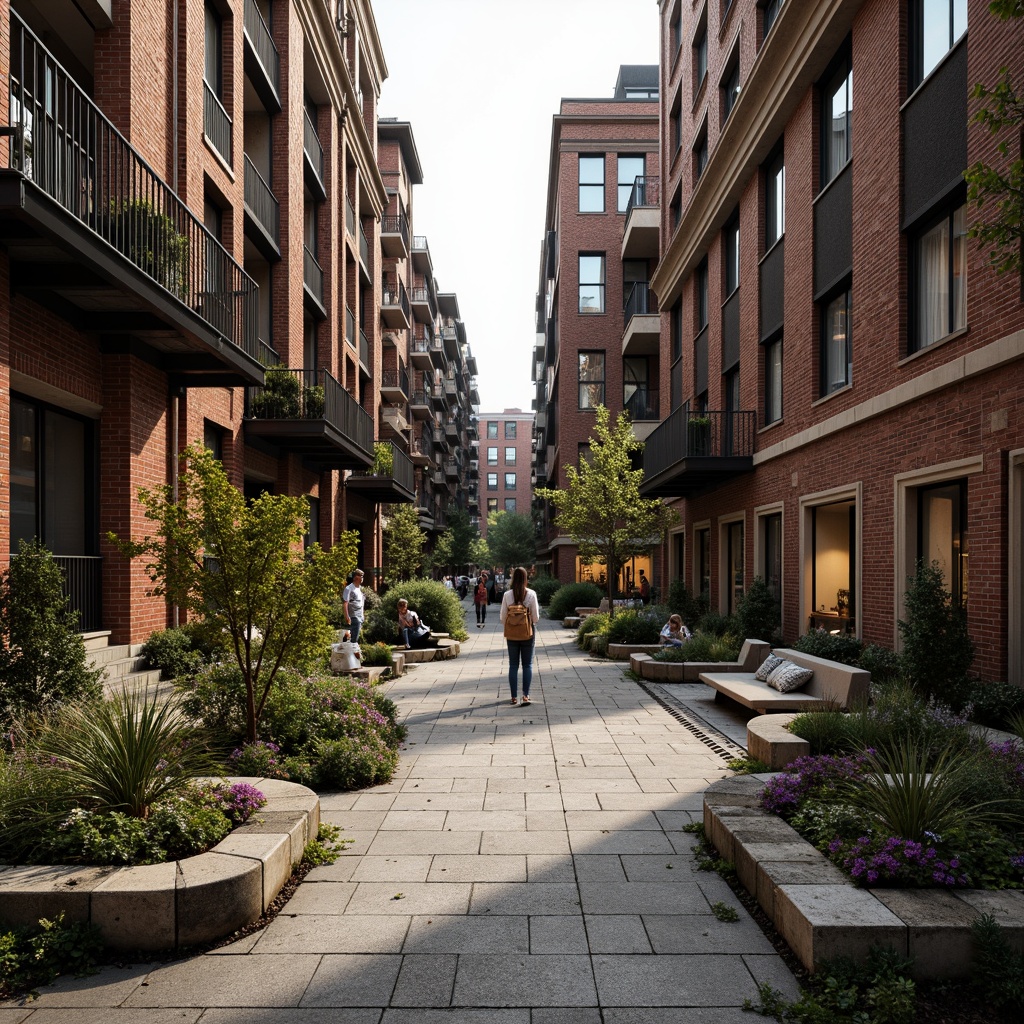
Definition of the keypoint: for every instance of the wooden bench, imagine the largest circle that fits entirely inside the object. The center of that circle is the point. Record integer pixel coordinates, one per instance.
(836, 684)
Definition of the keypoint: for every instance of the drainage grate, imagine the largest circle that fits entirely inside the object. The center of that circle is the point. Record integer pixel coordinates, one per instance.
(722, 746)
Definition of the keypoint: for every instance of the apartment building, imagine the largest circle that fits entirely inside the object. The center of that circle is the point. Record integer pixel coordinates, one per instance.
(843, 369)
(598, 329)
(505, 457)
(195, 240)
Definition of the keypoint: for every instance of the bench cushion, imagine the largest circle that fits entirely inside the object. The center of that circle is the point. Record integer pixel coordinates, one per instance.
(786, 677)
(772, 662)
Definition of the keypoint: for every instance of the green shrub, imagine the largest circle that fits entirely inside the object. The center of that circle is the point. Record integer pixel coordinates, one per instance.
(351, 763)
(376, 654)
(937, 649)
(36, 956)
(692, 607)
(172, 651)
(596, 623)
(635, 626)
(42, 655)
(828, 731)
(831, 646)
(997, 969)
(599, 645)
(719, 625)
(883, 664)
(571, 596)
(995, 704)
(435, 604)
(703, 647)
(545, 586)
(759, 614)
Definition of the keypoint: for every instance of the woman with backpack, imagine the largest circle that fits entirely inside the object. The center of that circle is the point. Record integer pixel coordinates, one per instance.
(520, 612)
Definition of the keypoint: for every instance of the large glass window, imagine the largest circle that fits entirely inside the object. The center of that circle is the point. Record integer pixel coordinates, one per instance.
(734, 565)
(774, 201)
(771, 553)
(771, 12)
(492, 481)
(833, 566)
(700, 154)
(591, 379)
(492, 505)
(702, 561)
(836, 113)
(592, 283)
(510, 456)
(836, 344)
(510, 430)
(939, 262)
(773, 380)
(213, 53)
(935, 26)
(492, 429)
(510, 504)
(637, 398)
(510, 481)
(702, 296)
(700, 57)
(592, 184)
(630, 168)
(942, 534)
(492, 455)
(730, 90)
(732, 255)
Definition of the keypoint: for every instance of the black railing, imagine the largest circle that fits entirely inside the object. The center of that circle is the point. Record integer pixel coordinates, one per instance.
(395, 224)
(419, 398)
(262, 43)
(641, 402)
(686, 435)
(424, 296)
(364, 348)
(312, 275)
(639, 301)
(66, 146)
(82, 586)
(451, 467)
(262, 203)
(391, 379)
(268, 354)
(216, 123)
(392, 296)
(311, 146)
(646, 192)
(364, 248)
(422, 448)
(420, 242)
(403, 472)
(421, 344)
(350, 217)
(350, 327)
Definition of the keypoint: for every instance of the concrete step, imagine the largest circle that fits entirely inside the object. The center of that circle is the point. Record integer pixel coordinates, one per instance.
(149, 680)
(96, 641)
(116, 652)
(124, 667)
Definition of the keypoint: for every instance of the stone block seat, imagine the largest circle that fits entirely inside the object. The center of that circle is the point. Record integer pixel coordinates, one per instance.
(572, 622)
(752, 653)
(623, 652)
(837, 685)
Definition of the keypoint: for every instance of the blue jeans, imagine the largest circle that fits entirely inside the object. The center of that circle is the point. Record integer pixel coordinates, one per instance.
(354, 626)
(520, 650)
(410, 638)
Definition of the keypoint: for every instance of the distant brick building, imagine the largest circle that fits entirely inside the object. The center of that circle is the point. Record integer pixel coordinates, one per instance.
(505, 463)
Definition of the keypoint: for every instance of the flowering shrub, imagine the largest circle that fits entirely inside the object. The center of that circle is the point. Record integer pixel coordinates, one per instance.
(239, 801)
(872, 859)
(259, 760)
(807, 777)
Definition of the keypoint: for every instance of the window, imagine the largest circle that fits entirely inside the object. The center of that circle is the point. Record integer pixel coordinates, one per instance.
(592, 184)
(591, 379)
(702, 561)
(935, 25)
(836, 344)
(836, 111)
(492, 429)
(510, 481)
(732, 255)
(630, 168)
(832, 528)
(773, 381)
(701, 286)
(510, 504)
(771, 12)
(734, 565)
(492, 455)
(213, 52)
(675, 125)
(732, 408)
(510, 456)
(675, 209)
(635, 291)
(730, 89)
(637, 397)
(942, 534)
(774, 201)
(492, 481)
(771, 553)
(700, 56)
(939, 279)
(592, 283)
(676, 355)
(213, 439)
(633, 93)
(677, 27)
(510, 430)
(700, 153)
(492, 505)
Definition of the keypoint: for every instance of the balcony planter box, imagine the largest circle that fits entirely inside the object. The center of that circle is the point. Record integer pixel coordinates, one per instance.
(698, 436)
(279, 399)
(151, 241)
(314, 402)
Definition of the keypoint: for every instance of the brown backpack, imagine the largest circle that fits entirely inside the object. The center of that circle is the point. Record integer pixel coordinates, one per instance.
(517, 623)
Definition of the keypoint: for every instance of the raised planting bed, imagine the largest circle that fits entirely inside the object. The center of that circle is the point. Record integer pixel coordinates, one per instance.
(181, 903)
(623, 652)
(751, 655)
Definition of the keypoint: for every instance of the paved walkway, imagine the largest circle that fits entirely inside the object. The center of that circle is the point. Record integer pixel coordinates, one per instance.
(526, 866)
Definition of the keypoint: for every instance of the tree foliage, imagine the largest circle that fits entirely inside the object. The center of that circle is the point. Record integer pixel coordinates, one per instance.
(1000, 188)
(241, 566)
(404, 541)
(510, 539)
(601, 509)
(463, 534)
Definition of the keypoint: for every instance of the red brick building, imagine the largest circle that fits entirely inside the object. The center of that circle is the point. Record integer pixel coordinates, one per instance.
(843, 370)
(196, 238)
(505, 459)
(597, 325)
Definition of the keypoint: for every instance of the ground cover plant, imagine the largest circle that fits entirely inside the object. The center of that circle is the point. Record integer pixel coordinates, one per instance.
(703, 647)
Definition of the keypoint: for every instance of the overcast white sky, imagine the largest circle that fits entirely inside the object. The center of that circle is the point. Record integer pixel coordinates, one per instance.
(480, 80)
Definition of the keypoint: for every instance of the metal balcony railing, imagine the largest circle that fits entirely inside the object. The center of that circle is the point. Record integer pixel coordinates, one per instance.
(646, 192)
(424, 296)
(403, 472)
(364, 348)
(262, 43)
(350, 327)
(268, 354)
(312, 275)
(65, 146)
(639, 301)
(216, 123)
(311, 146)
(262, 203)
(420, 242)
(395, 224)
(364, 248)
(392, 296)
(686, 434)
(641, 402)
(395, 379)
(82, 585)
(350, 217)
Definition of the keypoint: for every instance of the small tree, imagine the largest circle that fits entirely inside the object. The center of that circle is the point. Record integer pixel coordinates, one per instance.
(404, 541)
(602, 509)
(758, 613)
(241, 566)
(42, 655)
(463, 534)
(510, 539)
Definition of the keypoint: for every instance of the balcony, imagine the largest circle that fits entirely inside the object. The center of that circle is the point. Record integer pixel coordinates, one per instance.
(424, 305)
(262, 213)
(364, 353)
(452, 469)
(421, 452)
(643, 219)
(437, 352)
(438, 478)
(642, 404)
(394, 306)
(262, 62)
(393, 421)
(394, 236)
(419, 351)
(641, 335)
(364, 253)
(452, 429)
(690, 454)
(216, 124)
(394, 385)
(392, 480)
(450, 337)
(312, 158)
(308, 413)
(451, 387)
(439, 397)
(421, 256)
(440, 440)
(313, 284)
(419, 404)
(94, 234)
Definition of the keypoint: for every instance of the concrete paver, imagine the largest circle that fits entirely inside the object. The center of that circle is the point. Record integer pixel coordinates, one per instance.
(525, 866)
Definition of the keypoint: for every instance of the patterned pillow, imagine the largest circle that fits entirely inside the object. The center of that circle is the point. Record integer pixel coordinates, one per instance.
(771, 662)
(788, 677)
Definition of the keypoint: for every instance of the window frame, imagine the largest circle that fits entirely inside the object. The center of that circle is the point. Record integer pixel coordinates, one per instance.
(917, 35)
(946, 216)
(731, 256)
(827, 387)
(510, 505)
(510, 481)
(839, 77)
(770, 11)
(701, 311)
(510, 450)
(622, 203)
(729, 86)
(775, 200)
(510, 430)
(492, 461)
(601, 285)
(594, 159)
(588, 382)
(492, 430)
(773, 379)
(700, 52)
(492, 477)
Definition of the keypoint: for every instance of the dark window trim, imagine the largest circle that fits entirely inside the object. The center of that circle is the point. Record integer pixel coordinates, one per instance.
(731, 225)
(845, 288)
(843, 60)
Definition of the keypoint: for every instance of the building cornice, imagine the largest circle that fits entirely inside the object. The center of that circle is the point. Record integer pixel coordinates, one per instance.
(803, 40)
